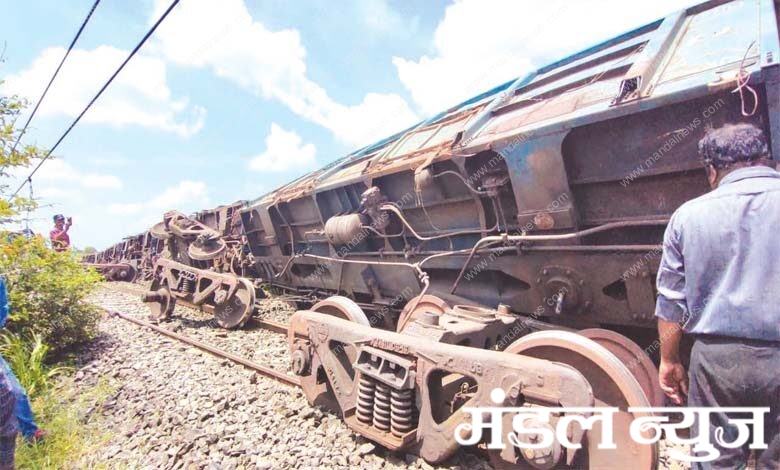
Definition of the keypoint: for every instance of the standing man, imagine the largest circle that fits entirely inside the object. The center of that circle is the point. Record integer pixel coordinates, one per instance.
(718, 281)
(60, 241)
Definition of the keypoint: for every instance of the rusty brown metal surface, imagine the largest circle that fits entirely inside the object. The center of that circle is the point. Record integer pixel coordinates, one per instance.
(613, 384)
(117, 272)
(633, 357)
(442, 378)
(231, 299)
(539, 205)
(271, 325)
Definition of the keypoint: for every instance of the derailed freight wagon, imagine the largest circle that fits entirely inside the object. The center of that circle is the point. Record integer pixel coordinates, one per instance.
(512, 241)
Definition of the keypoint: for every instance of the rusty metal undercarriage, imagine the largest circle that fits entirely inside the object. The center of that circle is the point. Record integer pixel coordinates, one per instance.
(231, 299)
(115, 271)
(509, 243)
(404, 390)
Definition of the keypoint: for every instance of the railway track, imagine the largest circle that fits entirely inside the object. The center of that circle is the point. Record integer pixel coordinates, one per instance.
(189, 321)
(270, 325)
(268, 372)
(209, 408)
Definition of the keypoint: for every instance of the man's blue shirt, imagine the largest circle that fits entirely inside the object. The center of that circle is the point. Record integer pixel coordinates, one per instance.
(720, 269)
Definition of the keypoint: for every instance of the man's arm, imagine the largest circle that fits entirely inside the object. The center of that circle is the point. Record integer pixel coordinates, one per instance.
(671, 310)
(58, 234)
(671, 373)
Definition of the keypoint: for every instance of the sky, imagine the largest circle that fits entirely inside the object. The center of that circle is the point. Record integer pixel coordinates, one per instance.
(231, 99)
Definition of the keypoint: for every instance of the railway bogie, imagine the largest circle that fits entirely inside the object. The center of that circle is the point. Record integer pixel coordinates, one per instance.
(405, 390)
(229, 298)
(509, 243)
(130, 260)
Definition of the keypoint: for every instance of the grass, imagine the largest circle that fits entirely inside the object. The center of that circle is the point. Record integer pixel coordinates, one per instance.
(71, 417)
(70, 414)
(26, 357)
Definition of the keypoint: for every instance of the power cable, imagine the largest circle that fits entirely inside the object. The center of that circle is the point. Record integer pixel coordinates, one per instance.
(27, 219)
(111, 79)
(46, 90)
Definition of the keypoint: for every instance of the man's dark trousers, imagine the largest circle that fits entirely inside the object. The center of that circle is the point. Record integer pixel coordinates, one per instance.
(734, 372)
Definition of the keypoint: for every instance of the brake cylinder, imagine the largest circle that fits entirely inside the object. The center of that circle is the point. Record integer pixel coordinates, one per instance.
(345, 229)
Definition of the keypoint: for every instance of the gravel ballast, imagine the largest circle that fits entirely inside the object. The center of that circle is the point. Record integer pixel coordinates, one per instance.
(179, 408)
(176, 407)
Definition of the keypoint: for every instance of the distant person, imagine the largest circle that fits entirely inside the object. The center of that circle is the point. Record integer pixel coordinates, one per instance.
(22, 410)
(60, 241)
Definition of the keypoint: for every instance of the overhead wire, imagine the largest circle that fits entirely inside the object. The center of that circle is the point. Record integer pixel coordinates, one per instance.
(100, 92)
(27, 217)
(57, 71)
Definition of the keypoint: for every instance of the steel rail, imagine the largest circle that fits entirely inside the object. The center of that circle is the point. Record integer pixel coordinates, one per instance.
(271, 325)
(267, 371)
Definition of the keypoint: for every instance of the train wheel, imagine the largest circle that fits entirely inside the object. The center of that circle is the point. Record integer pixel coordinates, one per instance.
(126, 273)
(613, 386)
(161, 302)
(426, 303)
(319, 392)
(160, 231)
(206, 251)
(234, 311)
(633, 357)
(342, 307)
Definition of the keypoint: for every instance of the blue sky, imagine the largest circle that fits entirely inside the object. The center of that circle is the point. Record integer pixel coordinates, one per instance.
(231, 99)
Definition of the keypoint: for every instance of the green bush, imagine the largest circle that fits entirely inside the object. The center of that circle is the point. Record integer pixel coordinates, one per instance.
(47, 292)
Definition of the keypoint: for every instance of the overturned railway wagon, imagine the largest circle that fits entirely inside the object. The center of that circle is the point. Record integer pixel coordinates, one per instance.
(130, 260)
(509, 242)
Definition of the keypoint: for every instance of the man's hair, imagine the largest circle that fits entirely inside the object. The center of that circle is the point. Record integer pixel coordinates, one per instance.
(733, 143)
(59, 217)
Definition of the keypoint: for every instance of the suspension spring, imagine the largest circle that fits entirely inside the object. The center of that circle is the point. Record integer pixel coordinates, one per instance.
(401, 411)
(186, 285)
(365, 400)
(382, 407)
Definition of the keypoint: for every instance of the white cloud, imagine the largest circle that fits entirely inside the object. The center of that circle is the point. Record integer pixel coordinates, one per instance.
(60, 187)
(51, 193)
(272, 64)
(284, 151)
(138, 96)
(135, 217)
(483, 43)
(56, 172)
(185, 196)
(381, 17)
(100, 181)
(99, 223)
